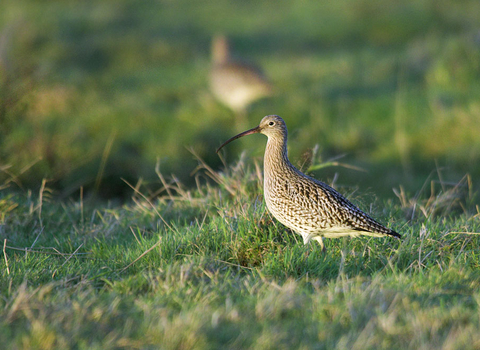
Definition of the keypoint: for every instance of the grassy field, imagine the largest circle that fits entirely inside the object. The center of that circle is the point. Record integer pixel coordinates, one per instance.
(92, 92)
(205, 269)
(121, 227)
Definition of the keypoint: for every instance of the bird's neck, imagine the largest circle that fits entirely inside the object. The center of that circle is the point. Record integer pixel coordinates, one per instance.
(276, 159)
(220, 51)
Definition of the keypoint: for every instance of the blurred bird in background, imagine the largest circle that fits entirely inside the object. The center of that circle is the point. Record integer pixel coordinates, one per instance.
(235, 83)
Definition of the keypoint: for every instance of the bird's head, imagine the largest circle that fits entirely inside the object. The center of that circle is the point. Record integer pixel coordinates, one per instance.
(272, 126)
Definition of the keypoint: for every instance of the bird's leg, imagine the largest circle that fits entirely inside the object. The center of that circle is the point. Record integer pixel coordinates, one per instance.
(311, 247)
(306, 239)
(320, 240)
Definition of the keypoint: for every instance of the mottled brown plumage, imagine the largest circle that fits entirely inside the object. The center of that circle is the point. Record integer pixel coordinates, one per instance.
(309, 207)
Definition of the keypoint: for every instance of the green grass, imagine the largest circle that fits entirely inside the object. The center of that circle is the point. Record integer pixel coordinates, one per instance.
(100, 101)
(394, 86)
(209, 268)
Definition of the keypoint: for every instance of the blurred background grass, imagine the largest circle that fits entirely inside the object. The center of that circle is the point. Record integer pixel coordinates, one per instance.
(394, 85)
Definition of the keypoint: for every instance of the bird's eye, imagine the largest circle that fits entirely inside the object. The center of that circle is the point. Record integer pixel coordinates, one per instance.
(271, 123)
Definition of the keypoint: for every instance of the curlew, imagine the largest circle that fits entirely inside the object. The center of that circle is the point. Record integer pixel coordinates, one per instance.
(234, 83)
(309, 207)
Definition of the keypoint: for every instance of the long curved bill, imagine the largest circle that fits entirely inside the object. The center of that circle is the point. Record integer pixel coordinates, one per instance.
(245, 133)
